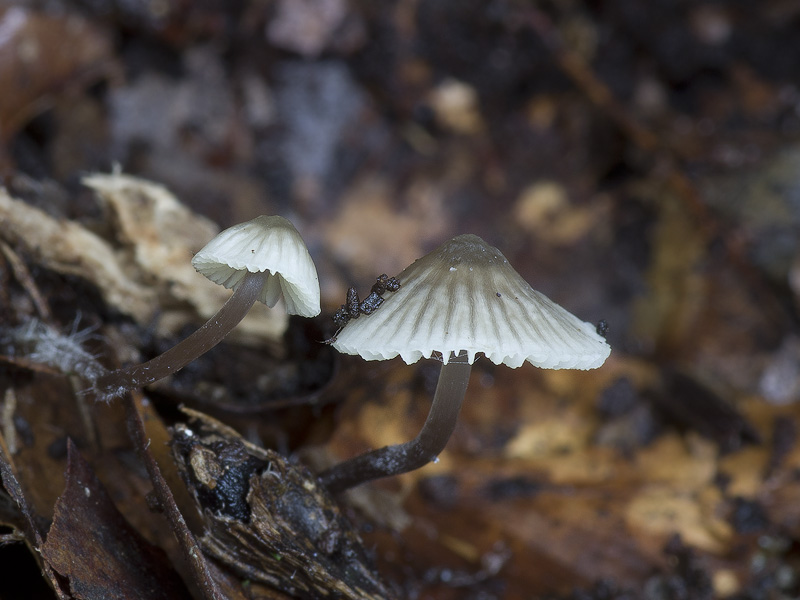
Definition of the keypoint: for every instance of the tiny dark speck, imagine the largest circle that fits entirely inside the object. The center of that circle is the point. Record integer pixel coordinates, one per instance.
(602, 328)
(748, 516)
(499, 295)
(58, 448)
(514, 487)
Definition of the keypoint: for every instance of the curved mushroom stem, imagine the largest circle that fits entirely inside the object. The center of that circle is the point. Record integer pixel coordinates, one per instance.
(431, 440)
(206, 337)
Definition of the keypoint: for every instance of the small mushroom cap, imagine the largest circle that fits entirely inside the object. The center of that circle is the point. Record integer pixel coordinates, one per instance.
(466, 296)
(265, 244)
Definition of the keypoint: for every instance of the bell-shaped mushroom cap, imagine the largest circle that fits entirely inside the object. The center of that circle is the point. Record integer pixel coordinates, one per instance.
(466, 296)
(265, 244)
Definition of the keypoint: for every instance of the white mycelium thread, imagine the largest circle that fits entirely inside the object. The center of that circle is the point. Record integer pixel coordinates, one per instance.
(466, 296)
(265, 244)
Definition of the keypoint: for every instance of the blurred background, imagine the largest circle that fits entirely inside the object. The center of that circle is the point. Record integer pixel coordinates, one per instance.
(635, 161)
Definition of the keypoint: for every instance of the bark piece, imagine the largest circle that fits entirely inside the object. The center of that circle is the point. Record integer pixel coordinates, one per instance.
(270, 520)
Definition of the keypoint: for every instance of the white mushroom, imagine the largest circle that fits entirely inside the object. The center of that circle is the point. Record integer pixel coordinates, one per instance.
(269, 245)
(461, 300)
(262, 259)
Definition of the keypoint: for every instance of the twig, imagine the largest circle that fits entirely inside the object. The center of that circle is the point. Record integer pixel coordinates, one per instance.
(187, 542)
(7, 420)
(26, 281)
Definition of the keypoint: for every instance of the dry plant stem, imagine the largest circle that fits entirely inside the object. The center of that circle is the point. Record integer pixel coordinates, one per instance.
(85, 411)
(431, 440)
(24, 277)
(206, 337)
(187, 542)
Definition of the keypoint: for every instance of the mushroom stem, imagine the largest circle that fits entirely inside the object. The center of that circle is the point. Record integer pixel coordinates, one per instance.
(211, 333)
(431, 440)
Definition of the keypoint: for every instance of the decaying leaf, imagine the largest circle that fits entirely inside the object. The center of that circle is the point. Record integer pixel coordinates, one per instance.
(33, 535)
(101, 555)
(269, 520)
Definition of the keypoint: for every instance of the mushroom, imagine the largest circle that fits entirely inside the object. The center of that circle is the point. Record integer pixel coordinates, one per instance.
(462, 299)
(263, 259)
